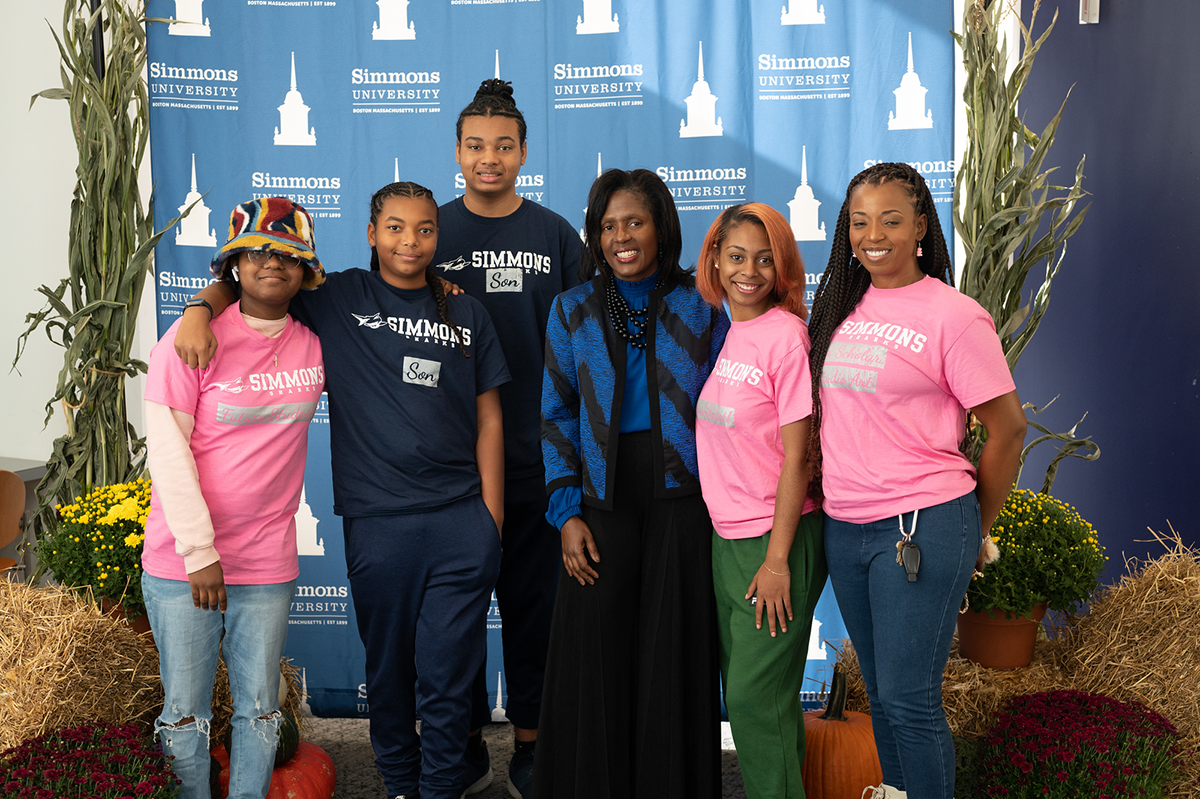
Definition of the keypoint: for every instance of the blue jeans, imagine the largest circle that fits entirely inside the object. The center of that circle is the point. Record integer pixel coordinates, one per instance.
(254, 629)
(902, 632)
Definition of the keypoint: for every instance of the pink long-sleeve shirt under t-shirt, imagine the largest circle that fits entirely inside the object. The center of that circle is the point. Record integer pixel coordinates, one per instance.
(761, 382)
(232, 493)
(900, 372)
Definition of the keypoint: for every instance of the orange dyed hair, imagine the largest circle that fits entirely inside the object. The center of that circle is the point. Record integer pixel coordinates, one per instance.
(789, 266)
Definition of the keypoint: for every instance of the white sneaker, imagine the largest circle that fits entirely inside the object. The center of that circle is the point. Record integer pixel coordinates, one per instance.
(883, 791)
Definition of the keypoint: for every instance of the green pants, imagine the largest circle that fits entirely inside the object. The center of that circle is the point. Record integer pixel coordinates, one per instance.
(762, 675)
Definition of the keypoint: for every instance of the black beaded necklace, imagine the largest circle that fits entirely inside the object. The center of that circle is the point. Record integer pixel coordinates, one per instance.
(621, 316)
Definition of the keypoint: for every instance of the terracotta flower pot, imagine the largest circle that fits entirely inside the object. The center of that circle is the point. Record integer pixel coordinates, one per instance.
(140, 625)
(990, 639)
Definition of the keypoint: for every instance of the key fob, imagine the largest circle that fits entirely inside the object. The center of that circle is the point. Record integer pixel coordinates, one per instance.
(910, 557)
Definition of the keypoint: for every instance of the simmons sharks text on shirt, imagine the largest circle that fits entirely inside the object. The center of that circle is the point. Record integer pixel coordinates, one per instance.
(402, 395)
(515, 265)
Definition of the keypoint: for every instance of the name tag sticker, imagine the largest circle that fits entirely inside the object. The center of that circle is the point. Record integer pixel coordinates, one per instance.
(504, 279)
(421, 372)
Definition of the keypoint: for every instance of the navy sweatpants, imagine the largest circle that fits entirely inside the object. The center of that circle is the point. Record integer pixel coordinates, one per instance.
(422, 583)
(525, 589)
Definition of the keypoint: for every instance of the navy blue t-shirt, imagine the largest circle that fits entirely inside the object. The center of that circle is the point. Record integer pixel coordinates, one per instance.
(515, 265)
(403, 419)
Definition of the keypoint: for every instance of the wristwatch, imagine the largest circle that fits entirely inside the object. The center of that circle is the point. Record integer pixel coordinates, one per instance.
(197, 302)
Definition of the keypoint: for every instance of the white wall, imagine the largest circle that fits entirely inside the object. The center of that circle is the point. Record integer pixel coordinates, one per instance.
(37, 176)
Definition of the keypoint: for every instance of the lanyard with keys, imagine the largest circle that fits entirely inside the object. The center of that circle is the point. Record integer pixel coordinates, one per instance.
(907, 553)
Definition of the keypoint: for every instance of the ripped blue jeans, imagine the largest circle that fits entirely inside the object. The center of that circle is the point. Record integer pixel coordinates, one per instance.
(254, 630)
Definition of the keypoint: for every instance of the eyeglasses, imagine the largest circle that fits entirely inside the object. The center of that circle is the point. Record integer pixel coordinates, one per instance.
(261, 257)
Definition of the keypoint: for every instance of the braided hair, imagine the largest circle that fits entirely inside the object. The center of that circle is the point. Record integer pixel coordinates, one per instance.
(846, 280)
(494, 98)
(410, 190)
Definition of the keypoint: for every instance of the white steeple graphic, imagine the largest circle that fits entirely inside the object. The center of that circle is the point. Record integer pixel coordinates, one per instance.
(498, 714)
(910, 110)
(816, 647)
(802, 12)
(599, 171)
(293, 117)
(307, 542)
(804, 205)
(189, 19)
(393, 21)
(598, 17)
(193, 230)
(396, 179)
(702, 119)
(497, 76)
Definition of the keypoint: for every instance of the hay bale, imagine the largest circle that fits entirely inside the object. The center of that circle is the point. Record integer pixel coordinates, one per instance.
(1141, 641)
(1138, 642)
(63, 661)
(972, 694)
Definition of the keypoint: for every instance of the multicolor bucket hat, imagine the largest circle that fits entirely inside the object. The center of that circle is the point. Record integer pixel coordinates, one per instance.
(272, 223)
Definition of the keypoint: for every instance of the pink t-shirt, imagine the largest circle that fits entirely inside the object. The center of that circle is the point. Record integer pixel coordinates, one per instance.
(900, 372)
(252, 406)
(761, 382)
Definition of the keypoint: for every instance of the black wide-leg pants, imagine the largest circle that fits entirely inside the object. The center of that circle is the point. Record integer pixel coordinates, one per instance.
(630, 707)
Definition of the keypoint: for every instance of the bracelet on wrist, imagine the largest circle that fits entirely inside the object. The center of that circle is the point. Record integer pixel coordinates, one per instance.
(777, 574)
(198, 302)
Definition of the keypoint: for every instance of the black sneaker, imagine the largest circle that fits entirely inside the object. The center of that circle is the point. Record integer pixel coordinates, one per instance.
(520, 775)
(477, 770)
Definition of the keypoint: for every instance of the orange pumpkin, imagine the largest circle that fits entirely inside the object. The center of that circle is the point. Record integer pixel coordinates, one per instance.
(840, 759)
(309, 774)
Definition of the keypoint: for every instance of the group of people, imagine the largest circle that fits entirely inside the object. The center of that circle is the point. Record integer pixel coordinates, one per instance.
(656, 468)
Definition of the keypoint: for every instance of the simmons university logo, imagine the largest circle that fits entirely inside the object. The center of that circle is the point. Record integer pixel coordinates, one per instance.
(598, 17)
(320, 605)
(192, 87)
(910, 113)
(319, 195)
(193, 230)
(386, 91)
(802, 12)
(702, 119)
(599, 86)
(803, 207)
(189, 19)
(823, 77)
(293, 126)
(393, 21)
(174, 289)
(705, 189)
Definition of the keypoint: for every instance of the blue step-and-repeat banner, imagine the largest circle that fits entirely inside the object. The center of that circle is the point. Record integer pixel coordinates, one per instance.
(324, 101)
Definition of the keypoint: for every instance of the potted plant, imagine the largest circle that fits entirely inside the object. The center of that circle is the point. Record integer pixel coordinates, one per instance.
(97, 544)
(1070, 743)
(94, 760)
(1049, 558)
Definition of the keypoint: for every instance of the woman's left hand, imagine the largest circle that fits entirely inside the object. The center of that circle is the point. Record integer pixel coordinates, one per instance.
(774, 589)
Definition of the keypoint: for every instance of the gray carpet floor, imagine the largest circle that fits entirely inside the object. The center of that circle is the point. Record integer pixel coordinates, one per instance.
(347, 742)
